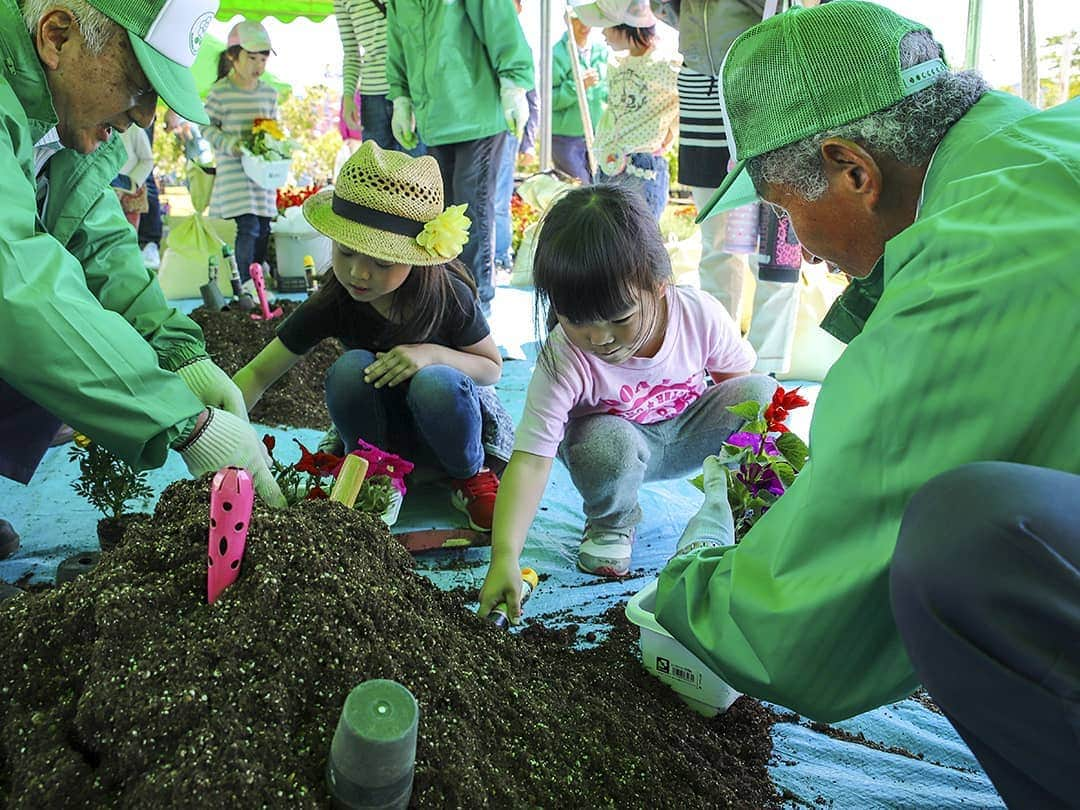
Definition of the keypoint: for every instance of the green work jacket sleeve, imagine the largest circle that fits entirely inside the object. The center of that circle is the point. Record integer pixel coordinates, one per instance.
(108, 251)
(498, 28)
(58, 346)
(969, 355)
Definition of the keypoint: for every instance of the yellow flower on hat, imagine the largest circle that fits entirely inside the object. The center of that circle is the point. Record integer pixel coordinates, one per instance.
(447, 234)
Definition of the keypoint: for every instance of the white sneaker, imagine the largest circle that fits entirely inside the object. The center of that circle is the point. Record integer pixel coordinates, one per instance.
(606, 551)
(151, 257)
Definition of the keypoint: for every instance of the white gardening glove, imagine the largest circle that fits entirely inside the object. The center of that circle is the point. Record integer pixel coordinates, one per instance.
(713, 525)
(515, 107)
(403, 122)
(213, 387)
(226, 441)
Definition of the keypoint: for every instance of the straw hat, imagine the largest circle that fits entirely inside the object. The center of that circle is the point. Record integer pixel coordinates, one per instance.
(389, 206)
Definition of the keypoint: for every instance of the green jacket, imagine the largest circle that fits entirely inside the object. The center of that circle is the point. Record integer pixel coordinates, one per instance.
(970, 354)
(85, 330)
(565, 113)
(448, 57)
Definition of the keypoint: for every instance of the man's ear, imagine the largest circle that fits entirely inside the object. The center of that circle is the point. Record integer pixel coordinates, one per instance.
(55, 31)
(852, 170)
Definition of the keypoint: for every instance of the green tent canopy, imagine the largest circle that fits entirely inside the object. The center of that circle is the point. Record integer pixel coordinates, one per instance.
(205, 68)
(284, 10)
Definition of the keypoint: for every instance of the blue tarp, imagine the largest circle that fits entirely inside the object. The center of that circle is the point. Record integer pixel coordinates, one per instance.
(814, 769)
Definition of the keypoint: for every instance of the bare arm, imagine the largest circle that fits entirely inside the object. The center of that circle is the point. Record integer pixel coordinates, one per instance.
(520, 491)
(264, 370)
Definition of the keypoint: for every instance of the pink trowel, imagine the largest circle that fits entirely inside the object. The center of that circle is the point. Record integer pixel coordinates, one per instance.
(231, 499)
(256, 273)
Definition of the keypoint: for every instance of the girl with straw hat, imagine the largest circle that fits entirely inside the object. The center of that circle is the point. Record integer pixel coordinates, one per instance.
(418, 350)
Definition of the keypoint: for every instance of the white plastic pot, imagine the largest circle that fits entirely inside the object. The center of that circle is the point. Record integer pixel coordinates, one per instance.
(268, 174)
(667, 659)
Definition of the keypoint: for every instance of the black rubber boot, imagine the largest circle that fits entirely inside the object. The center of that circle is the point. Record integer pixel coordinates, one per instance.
(9, 540)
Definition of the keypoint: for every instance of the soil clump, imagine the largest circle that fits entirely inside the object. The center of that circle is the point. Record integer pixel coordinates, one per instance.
(125, 689)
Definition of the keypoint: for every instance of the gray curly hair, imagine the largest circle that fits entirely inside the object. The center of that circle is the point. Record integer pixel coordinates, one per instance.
(97, 29)
(909, 130)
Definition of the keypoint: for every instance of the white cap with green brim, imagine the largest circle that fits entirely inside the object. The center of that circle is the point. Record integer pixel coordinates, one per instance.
(166, 35)
(805, 72)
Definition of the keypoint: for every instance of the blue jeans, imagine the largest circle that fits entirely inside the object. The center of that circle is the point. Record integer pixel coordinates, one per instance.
(655, 191)
(504, 190)
(252, 238)
(569, 156)
(435, 416)
(468, 172)
(375, 115)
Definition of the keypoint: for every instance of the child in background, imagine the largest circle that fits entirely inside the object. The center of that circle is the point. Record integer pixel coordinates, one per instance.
(419, 352)
(642, 116)
(619, 392)
(236, 99)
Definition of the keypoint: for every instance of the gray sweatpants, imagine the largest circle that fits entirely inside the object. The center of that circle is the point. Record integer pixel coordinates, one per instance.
(609, 457)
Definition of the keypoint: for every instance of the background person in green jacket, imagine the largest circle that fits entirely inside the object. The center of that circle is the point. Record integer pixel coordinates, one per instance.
(86, 336)
(458, 73)
(567, 130)
(955, 209)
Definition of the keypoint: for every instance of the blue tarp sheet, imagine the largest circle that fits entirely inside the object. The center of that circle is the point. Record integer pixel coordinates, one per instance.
(811, 767)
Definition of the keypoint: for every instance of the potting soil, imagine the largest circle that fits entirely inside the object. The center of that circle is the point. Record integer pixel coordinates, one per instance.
(124, 688)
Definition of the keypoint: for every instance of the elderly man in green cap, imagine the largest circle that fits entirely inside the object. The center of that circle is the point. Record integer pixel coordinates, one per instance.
(86, 336)
(956, 211)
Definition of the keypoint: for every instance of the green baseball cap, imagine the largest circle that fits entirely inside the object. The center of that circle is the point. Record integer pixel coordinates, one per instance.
(166, 35)
(807, 71)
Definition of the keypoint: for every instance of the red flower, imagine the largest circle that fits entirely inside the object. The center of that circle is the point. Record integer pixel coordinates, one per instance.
(782, 403)
(316, 463)
(270, 442)
(316, 494)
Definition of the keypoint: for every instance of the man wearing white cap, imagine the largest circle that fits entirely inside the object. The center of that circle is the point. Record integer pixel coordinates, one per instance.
(86, 336)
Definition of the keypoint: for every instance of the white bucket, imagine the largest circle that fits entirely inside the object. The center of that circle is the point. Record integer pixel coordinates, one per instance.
(673, 664)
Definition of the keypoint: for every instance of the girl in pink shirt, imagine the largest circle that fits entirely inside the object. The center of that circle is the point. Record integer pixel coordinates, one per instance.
(620, 392)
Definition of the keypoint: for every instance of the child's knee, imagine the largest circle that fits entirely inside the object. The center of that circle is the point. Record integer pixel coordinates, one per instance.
(755, 387)
(604, 446)
(439, 386)
(347, 372)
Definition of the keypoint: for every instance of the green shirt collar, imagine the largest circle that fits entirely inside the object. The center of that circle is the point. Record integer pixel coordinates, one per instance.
(22, 70)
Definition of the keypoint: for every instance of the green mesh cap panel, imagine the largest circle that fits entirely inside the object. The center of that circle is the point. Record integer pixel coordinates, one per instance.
(135, 16)
(809, 70)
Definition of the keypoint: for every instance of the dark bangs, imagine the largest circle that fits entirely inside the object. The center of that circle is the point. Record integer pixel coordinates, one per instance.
(597, 249)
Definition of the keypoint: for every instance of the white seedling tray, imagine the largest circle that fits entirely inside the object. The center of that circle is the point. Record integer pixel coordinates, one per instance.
(673, 664)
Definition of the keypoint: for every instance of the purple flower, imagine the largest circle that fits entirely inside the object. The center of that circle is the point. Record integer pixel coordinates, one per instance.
(760, 477)
(753, 441)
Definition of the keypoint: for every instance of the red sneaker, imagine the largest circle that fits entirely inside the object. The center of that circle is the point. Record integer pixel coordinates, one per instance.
(476, 498)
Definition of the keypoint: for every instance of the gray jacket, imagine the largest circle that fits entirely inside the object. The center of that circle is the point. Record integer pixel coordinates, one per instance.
(706, 28)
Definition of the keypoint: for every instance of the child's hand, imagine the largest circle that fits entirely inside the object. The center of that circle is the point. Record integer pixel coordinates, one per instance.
(398, 364)
(502, 584)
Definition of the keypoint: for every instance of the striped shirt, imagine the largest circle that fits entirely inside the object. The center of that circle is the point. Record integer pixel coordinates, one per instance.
(362, 25)
(232, 111)
(703, 152)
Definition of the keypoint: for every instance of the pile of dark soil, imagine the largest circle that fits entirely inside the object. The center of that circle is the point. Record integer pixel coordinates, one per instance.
(124, 688)
(296, 400)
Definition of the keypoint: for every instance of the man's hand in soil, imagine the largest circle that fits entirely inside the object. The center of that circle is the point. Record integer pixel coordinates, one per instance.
(502, 584)
(399, 364)
(223, 440)
(213, 387)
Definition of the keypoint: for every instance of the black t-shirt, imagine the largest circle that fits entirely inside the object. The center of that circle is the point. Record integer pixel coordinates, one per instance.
(359, 326)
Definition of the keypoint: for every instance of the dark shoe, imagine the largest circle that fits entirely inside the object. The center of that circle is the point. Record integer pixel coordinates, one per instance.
(9, 540)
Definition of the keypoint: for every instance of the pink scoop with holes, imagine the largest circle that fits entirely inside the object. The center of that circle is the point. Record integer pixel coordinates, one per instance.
(256, 273)
(231, 499)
